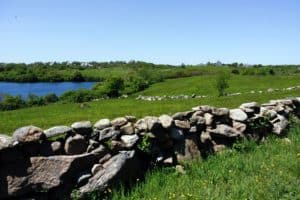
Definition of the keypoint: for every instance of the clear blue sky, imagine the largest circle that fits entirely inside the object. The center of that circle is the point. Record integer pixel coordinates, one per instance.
(159, 31)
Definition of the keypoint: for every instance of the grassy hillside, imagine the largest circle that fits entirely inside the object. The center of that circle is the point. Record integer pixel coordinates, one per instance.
(205, 85)
(268, 171)
(65, 114)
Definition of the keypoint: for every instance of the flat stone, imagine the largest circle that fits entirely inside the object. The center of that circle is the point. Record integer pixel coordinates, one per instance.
(209, 118)
(118, 122)
(166, 121)
(108, 133)
(28, 134)
(238, 115)
(5, 141)
(220, 112)
(129, 140)
(128, 129)
(102, 124)
(57, 131)
(224, 131)
(82, 127)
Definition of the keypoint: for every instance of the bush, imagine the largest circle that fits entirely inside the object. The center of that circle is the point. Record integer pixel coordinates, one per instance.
(78, 96)
(33, 99)
(135, 84)
(50, 98)
(12, 102)
(235, 71)
(222, 84)
(113, 87)
(77, 77)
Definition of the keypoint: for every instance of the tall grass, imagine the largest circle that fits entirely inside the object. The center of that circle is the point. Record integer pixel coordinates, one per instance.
(268, 171)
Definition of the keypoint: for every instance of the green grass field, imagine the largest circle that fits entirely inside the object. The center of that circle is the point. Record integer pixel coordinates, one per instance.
(268, 171)
(65, 114)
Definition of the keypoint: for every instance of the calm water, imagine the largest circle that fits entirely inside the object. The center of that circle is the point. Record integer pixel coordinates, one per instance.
(40, 89)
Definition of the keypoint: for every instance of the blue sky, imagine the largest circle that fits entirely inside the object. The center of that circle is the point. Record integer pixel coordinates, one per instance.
(159, 31)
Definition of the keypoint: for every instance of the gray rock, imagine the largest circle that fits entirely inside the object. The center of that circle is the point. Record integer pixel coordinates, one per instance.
(182, 124)
(209, 118)
(188, 149)
(57, 131)
(108, 133)
(250, 108)
(176, 134)
(75, 145)
(280, 125)
(206, 109)
(83, 179)
(82, 127)
(118, 122)
(122, 166)
(152, 123)
(141, 125)
(102, 124)
(96, 168)
(183, 115)
(5, 142)
(129, 140)
(28, 134)
(41, 173)
(56, 147)
(128, 129)
(220, 112)
(166, 121)
(238, 115)
(241, 127)
(224, 131)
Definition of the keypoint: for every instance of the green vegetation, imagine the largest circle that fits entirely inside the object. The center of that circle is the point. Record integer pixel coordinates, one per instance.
(250, 171)
(222, 84)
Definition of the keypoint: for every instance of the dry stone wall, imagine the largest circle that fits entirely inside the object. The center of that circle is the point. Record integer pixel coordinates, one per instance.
(50, 164)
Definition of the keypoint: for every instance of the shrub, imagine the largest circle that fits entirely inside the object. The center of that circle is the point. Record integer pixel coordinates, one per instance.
(50, 98)
(33, 99)
(235, 71)
(222, 83)
(78, 96)
(12, 102)
(77, 77)
(113, 87)
(135, 84)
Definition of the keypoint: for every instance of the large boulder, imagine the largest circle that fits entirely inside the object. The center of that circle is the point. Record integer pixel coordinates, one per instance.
(57, 131)
(129, 140)
(108, 133)
(41, 174)
(238, 115)
(75, 145)
(280, 125)
(118, 122)
(28, 134)
(250, 108)
(123, 166)
(128, 128)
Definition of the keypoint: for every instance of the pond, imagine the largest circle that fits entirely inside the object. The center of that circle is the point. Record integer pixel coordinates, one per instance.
(41, 88)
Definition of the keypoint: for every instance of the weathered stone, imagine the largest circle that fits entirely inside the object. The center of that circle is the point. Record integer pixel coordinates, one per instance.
(57, 131)
(28, 134)
(41, 173)
(193, 129)
(130, 118)
(241, 127)
(141, 125)
(206, 109)
(224, 131)
(96, 168)
(102, 124)
(100, 151)
(168, 161)
(187, 149)
(182, 124)
(108, 133)
(75, 145)
(105, 158)
(92, 145)
(122, 166)
(250, 108)
(176, 134)
(220, 112)
(5, 142)
(270, 114)
(152, 123)
(83, 179)
(166, 121)
(238, 115)
(128, 129)
(204, 137)
(183, 115)
(129, 140)
(82, 127)
(209, 118)
(56, 147)
(281, 125)
(118, 122)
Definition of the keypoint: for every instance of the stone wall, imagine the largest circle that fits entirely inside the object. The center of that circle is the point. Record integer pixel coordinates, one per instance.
(52, 163)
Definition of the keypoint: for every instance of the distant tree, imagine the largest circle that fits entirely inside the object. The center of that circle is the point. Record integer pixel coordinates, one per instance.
(77, 77)
(222, 83)
(114, 86)
(235, 71)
